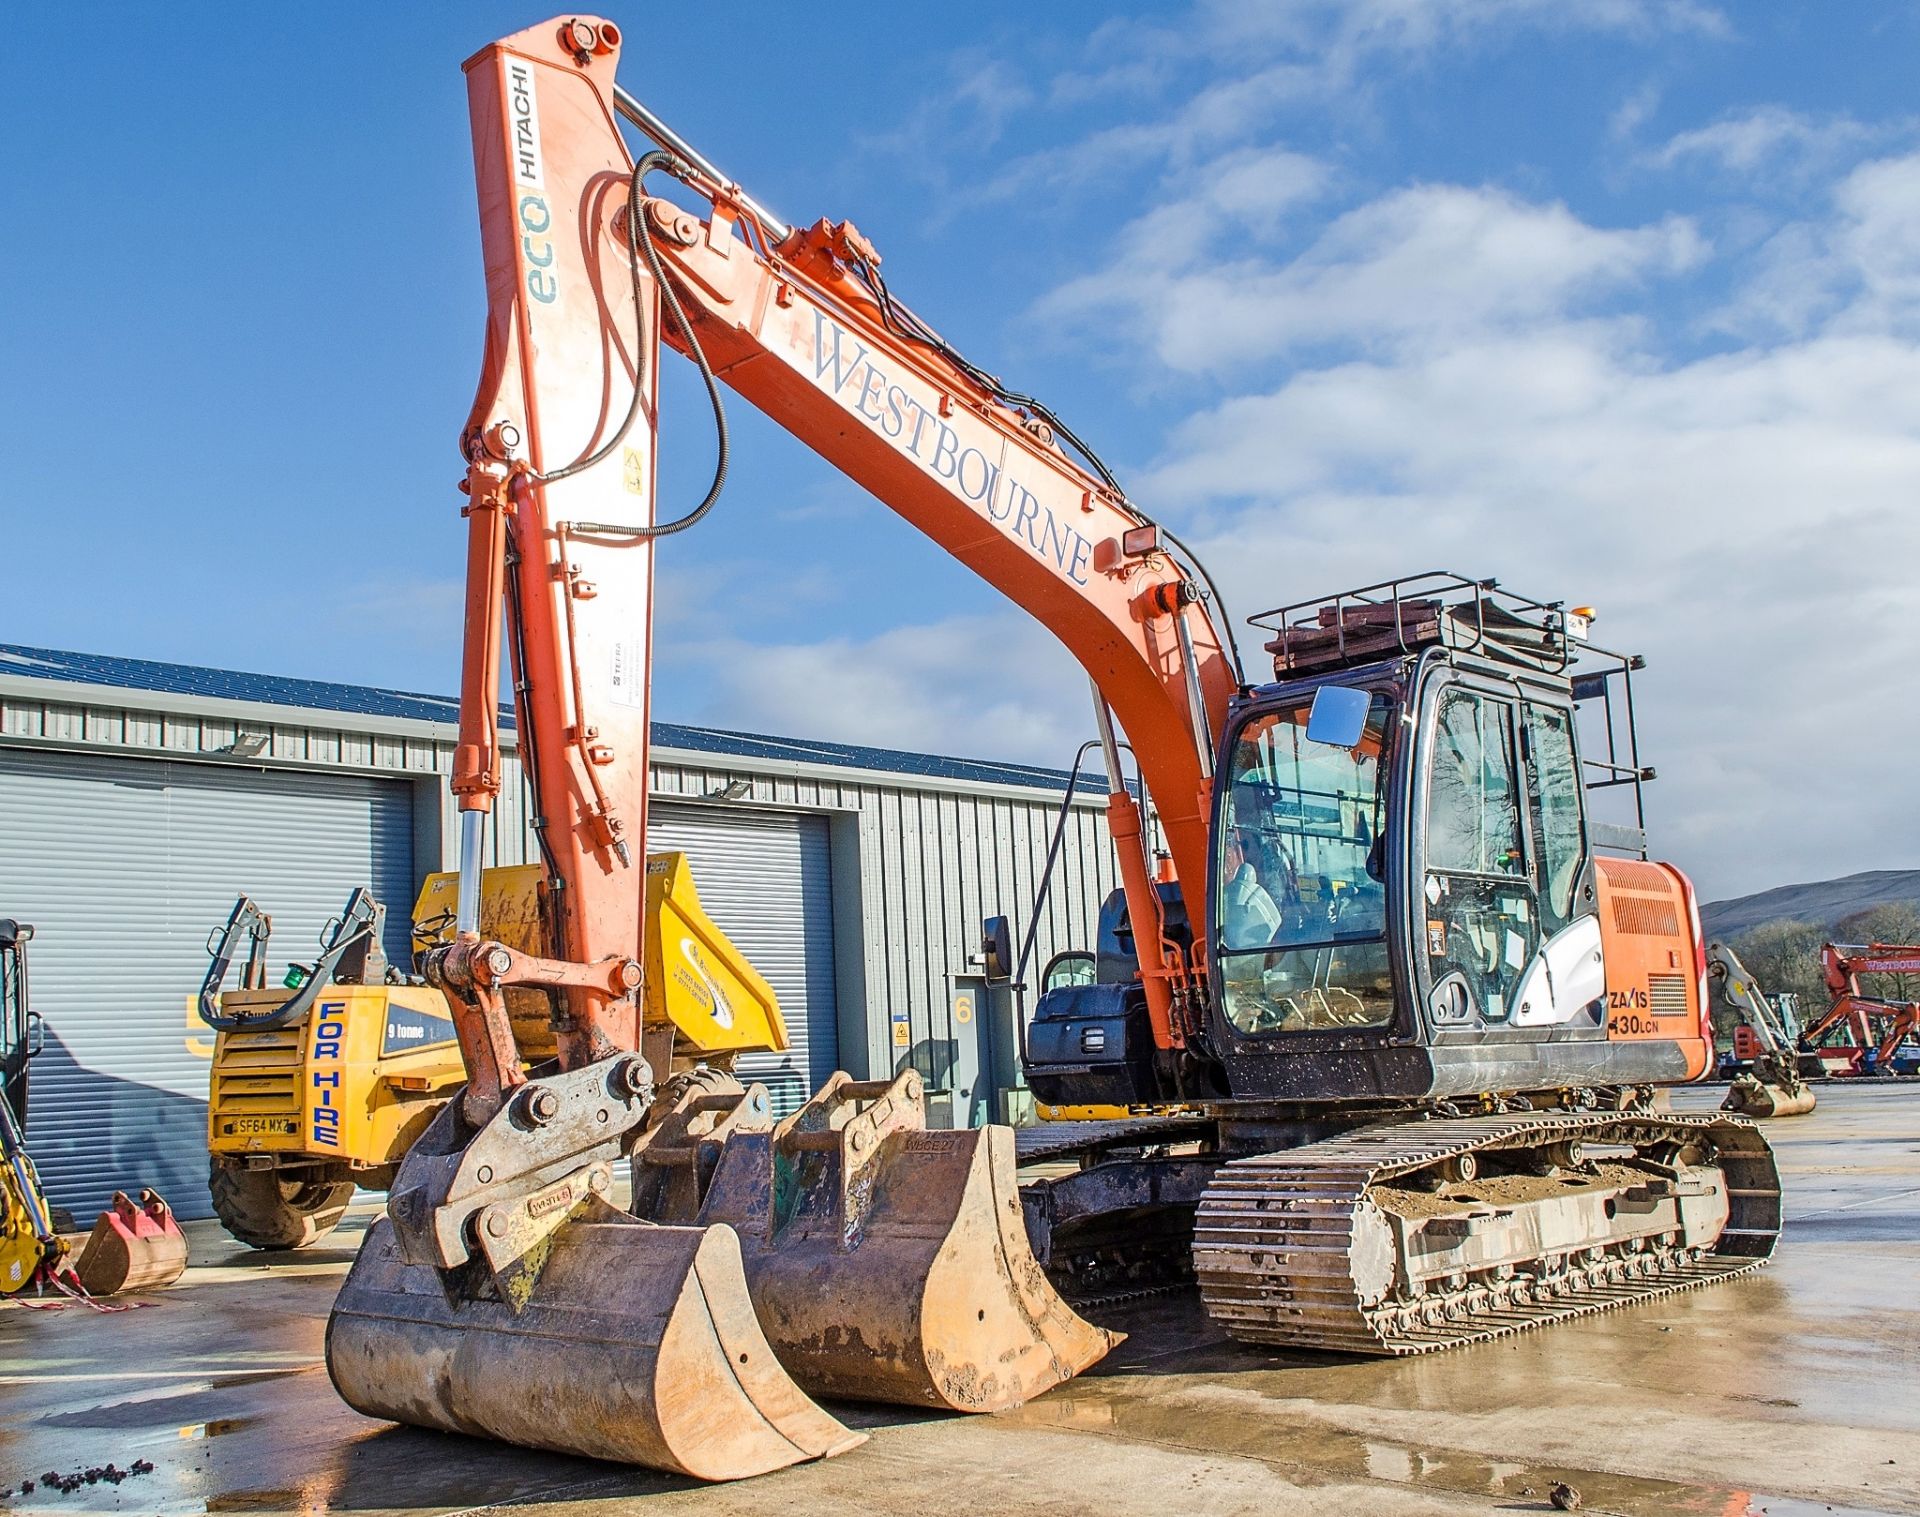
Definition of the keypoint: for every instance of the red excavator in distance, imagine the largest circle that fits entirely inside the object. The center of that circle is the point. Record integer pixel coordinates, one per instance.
(1413, 1090)
(1874, 1025)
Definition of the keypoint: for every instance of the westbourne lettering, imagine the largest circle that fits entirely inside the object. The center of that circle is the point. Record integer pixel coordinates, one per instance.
(844, 367)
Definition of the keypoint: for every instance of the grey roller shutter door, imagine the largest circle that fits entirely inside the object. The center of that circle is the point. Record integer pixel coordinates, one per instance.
(766, 879)
(123, 865)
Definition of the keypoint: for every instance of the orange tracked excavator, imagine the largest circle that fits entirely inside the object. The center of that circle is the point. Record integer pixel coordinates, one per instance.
(1410, 1021)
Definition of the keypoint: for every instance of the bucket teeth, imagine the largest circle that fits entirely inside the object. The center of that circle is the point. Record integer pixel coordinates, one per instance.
(636, 1343)
(889, 1263)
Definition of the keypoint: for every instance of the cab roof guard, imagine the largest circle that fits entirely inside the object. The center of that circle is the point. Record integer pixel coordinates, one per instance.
(1441, 608)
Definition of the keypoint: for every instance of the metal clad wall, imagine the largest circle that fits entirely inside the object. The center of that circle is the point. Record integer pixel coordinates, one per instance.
(123, 864)
(766, 879)
(991, 838)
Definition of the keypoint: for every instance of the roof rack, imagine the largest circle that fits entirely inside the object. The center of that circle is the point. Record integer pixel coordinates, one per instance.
(1435, 608)
(1439, 608)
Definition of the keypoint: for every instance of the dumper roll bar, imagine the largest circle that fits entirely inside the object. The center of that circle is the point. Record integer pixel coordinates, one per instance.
(350, 948)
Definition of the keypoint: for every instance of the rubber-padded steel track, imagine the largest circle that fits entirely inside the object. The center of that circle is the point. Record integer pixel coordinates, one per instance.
(1273, 1234)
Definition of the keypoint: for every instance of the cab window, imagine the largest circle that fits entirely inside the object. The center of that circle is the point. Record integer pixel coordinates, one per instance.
(1555, 796)
(1473, 809)
(1481, 914)
(1300, 892)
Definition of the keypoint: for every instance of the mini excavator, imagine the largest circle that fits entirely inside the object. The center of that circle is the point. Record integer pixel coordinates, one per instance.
(1408, 1018)
(1859, 1033)
(1771, 1084)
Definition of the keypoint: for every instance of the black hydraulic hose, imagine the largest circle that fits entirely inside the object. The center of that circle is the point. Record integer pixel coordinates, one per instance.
(522, 688)
(634, 234)
(1213, 590)
(639, 241)
(1046, 886)
(1046, 869)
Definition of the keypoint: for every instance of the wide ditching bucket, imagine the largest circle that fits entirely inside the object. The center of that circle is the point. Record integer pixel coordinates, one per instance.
(632, 1342)
(887, 1262)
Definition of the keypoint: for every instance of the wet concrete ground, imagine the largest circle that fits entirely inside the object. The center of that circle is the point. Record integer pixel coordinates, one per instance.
(1792, 1391)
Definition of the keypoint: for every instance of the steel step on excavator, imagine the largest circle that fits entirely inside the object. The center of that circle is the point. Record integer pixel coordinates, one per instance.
(1402, 1002)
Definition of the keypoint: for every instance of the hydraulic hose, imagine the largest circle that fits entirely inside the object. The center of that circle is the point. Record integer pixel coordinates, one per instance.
(640, 243)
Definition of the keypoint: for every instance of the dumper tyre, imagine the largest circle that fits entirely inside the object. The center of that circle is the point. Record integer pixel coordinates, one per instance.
(280, 1209)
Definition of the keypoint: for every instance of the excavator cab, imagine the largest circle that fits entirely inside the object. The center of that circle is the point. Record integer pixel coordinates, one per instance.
(1414, 893)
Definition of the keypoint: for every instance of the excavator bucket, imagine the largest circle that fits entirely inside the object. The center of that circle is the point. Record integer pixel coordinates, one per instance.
(135, 1245)
(887, 1262)
(629, 1342)
(1753, 1096)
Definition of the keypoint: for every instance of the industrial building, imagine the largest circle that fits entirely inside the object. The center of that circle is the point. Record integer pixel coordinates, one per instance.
(137, 799)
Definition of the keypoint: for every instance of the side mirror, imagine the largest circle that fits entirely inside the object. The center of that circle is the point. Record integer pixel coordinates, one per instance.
(996, 949)
(1338, 716)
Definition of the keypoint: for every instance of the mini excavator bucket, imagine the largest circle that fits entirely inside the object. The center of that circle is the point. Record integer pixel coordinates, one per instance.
(134, 1245)
(1771, 1093)
(539, 1314)
(887, 1262)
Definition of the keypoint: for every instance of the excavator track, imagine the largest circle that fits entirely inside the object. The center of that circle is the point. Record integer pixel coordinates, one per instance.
(1304, 1247)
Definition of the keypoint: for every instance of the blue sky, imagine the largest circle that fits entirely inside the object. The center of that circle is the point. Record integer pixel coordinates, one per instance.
(1616, 299)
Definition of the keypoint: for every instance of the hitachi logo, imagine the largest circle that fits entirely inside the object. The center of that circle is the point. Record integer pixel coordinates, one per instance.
(525, 123)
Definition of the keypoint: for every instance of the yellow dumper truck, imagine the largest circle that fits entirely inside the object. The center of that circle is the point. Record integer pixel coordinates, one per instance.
(322, 1083)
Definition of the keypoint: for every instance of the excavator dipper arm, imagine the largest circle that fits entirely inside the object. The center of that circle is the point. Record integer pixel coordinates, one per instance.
(502, 1294)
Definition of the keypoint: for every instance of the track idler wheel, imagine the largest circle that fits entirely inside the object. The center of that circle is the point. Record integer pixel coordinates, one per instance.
(636, 1343)
(890, 1263)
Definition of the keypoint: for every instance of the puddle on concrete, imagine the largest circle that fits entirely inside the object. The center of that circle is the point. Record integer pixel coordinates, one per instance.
(162, 1408)
(259, 1501)
(1208, 1421)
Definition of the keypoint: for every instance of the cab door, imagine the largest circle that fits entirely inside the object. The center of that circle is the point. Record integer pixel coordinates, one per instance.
(1508, 936)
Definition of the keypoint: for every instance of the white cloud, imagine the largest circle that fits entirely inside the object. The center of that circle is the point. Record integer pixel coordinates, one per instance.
(965, 685)
(1766, 136)
(1746, 519)
(1857, 267)
(1634, 112)
(1267, 57)
(1420, 264)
